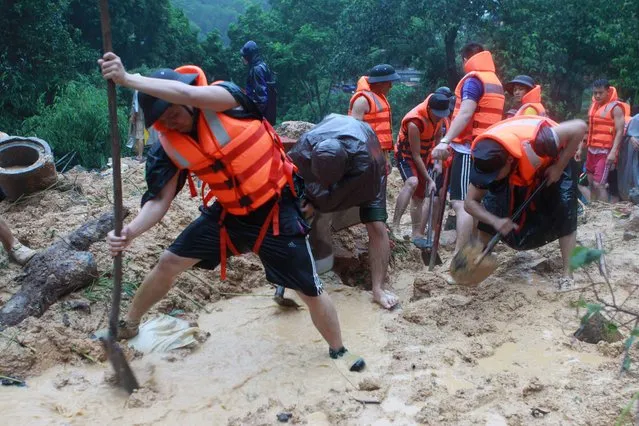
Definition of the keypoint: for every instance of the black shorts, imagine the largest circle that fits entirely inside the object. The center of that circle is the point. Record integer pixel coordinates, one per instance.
(551, 215)
(407, 169)
(375, 211)
(287, 258)
(460, 176)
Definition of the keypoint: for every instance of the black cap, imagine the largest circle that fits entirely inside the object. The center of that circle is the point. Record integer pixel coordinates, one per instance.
(381, 73)
(444, 90)
(438, 104)
(524, 80)
(489, 157)
(153, 107)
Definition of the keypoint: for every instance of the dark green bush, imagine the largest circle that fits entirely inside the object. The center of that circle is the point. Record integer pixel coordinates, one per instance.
(78, 121)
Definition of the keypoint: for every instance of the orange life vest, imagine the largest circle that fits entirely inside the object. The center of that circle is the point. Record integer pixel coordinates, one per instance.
(601, 123)
(379, 113)
(516, 135)
(428, 131)
(490, 108)
(532, 99)
(239, 161)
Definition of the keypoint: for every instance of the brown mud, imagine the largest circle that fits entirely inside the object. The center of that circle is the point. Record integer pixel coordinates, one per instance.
(500, 353)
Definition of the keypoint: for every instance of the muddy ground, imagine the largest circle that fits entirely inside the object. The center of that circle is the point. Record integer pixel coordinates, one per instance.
(499, 353)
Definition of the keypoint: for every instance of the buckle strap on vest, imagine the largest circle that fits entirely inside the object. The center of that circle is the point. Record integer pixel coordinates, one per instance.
(192, 188)
(225, 241)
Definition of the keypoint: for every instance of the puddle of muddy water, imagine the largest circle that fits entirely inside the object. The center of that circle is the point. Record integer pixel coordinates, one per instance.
(256, 353)
(535, 358)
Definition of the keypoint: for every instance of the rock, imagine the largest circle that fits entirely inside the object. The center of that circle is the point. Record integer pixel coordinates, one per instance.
(629, 235)
(597, 329)
(369, 384)
(294, 129)
(633, 223)
(284, 417)
(533, 386)
(633, 195)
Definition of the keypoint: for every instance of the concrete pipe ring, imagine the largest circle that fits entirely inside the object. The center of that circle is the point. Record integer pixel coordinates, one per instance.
(26, 166)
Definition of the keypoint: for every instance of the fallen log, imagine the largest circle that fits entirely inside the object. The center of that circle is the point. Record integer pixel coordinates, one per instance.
(60, 269)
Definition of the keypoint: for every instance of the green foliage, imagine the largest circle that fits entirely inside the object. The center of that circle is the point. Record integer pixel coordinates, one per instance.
(582, 256)
(77, 121)
(214, 15)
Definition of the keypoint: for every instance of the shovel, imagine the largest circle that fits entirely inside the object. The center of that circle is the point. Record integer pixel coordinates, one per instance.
(427, 248)
(284, 302)
(472, 264)
(124, 375)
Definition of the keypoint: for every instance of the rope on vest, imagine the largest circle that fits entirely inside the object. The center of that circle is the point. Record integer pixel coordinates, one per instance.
(192, 188)
(273, 217)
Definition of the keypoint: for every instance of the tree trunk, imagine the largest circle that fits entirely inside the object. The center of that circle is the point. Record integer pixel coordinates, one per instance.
(56, 271)
(451, 66)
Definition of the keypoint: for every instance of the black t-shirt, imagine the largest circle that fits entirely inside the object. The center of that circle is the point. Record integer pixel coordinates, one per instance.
(159, 167)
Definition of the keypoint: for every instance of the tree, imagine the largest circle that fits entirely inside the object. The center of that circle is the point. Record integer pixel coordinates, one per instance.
(39, 50)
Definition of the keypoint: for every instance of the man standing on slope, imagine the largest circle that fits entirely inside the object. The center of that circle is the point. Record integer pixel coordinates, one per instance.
(606, 123)
(479, 105)
(369, 104)
(260, 82)
(217, 133)
(420, 131)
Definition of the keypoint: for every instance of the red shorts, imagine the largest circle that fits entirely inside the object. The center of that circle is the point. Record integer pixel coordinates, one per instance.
(597, 166)
(408, 169)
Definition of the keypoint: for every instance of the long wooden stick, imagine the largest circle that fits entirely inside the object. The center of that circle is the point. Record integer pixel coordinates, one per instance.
(117, 173)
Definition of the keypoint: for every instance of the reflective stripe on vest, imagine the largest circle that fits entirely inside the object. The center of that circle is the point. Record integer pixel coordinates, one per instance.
(516, 135)
(240, 161)
(428, 132)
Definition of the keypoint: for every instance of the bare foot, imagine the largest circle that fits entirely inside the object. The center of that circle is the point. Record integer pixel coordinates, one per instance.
(385, 299)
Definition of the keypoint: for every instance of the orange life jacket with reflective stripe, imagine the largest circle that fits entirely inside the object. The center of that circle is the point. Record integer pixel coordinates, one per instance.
(490, 108)
(241, 162)
(516, 135)
(379, 113)
(429, 131)
(532, 99)
(601, 123)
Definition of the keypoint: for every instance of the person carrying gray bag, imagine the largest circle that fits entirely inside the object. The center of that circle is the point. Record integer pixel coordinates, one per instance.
(344, 171)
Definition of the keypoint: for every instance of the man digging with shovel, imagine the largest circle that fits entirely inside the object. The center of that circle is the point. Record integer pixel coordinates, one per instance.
(511, 160)
(217, 133)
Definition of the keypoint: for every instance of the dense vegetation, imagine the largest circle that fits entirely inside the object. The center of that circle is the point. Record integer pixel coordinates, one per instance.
(50, 85)
(209, 15)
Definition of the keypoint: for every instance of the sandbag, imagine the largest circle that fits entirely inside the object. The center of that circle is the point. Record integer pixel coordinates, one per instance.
(628, 162)
(341, 162)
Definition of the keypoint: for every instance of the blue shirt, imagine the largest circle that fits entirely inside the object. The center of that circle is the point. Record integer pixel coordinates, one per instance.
(472, 89)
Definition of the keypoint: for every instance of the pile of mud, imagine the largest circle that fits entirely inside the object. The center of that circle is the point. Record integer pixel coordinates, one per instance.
(61, 335)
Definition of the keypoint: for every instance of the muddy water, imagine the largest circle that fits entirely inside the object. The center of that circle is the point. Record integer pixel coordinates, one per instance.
(256, 353)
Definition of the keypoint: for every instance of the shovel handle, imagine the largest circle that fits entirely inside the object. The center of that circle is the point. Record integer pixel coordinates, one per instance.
(105, 23)
(497, 237)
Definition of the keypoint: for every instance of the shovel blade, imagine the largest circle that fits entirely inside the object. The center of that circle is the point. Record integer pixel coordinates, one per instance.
(123, 373)
(463, 268)
(282, 301)
(427, 254)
